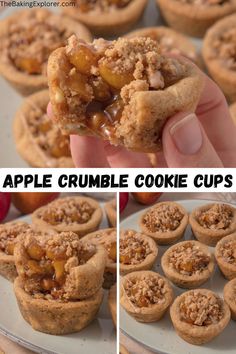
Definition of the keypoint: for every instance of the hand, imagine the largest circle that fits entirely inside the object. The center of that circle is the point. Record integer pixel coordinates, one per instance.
(204, 139)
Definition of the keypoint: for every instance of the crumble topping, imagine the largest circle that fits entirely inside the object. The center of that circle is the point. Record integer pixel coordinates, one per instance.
(46, 134)
(29, 41)
(201, 309)
(133, 248)
(101, 5)
(9, 233)
(189, 259)
(224, 48)
(205, 2)
(228, 251)
(46, 261)
(163, 218)
(68, 211)
(217, 217)
(146, 290)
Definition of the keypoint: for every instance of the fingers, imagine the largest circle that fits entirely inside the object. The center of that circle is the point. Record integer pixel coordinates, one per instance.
(185, 143)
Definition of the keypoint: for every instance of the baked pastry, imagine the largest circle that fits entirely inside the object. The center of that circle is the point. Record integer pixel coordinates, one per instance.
(225, 254)
(211, 222)
(145, 295)
(199, 316)
(112, 303)
(27, 38)
(188, 264)
(170, 41)
(110, 210)
(194, 17)
(137, 251)
(232, 109)
(108, 239)
(126, 77)
(77, 214)
(59, 285)
(8, 238)
(219, 51)
(39, 141)
(107, 17)
(230, 297)
(165, 222)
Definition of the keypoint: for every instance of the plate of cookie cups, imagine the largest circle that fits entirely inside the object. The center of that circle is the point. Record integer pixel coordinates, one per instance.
(164, 336)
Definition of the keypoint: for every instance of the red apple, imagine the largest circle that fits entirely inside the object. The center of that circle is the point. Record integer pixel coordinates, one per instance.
(27, 202)
(124, 197)
(5, 201)
(146, 198)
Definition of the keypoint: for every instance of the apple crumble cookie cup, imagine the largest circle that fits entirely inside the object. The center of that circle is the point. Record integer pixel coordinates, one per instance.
(225, 254)
(108, 239)
(27, 38)
(110, 210)
(95, 87)
(39, 141)
(165, 222)
(107, 17)
(230, 297)
(9, 233)
(145, 295)
(77, 214)
(194, 17)
(137, 251)
(211, 222)
(199, 315)
(188, 264)
(219, 52)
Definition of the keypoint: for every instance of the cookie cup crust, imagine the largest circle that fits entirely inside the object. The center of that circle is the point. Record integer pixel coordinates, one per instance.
(208, 236)
(7, 266)
(229, 297)
(110, 211)
(229, 270)
(194, 334)
(54, 317)
(22, 82)
(223, 76)
(79, 229)
(193, 20)
(34, 155)
(182, 280)
(112, 303)
(169, 237)
(145, 264)
(145, 314)
(110, 23)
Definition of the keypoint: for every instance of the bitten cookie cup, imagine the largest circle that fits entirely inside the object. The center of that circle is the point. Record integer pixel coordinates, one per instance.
(193, 18)
(55, 317)
(225, 254)
(211, 222)
(230, 297)
(199, 316)
(145, 295)
(188, 264)
(27, 38)
(165, 222)
(112, 20)
(38, 141)
(219, 55)
(121, 91)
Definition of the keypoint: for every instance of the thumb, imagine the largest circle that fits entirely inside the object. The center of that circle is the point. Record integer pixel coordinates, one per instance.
(185, 143)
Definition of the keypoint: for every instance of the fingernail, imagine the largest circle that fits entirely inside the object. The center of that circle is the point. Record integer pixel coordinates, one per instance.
(187, 135)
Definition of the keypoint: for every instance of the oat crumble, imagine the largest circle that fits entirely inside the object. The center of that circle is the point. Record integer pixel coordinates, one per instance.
(228, 251)
(217, 217)
(101, 5)
(132, 248)
(8, 235)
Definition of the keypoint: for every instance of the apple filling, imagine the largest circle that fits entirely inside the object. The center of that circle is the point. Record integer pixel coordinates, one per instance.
(102, 5)
(8, 236)
(146, 291)
(98, 80)
(201, 309)
(189, 259)
(218, 217)
(224, 48)
(46, 262)
(205, 2)
(163, 218)
(133, 249)
(228, 251)
(66, 211)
